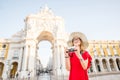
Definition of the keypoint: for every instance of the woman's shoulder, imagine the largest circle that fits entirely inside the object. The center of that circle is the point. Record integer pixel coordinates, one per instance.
(86, 53)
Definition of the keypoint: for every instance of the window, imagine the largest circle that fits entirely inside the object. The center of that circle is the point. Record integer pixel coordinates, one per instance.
(2, 53)
(4, 46)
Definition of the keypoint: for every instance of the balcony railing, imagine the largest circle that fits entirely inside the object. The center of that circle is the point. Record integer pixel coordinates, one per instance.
(16, 58)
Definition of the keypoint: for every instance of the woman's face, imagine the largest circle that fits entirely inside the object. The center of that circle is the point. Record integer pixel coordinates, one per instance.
(76, 41)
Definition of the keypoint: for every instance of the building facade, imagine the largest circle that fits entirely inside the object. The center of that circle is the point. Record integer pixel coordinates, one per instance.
(19, 53)
(106, 59)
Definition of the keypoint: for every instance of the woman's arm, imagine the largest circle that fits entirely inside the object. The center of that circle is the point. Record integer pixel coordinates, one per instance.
(67, 60)
(67, 63)
(83, 62)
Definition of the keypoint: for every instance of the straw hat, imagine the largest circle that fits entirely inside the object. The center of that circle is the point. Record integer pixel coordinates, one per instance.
(81, 36)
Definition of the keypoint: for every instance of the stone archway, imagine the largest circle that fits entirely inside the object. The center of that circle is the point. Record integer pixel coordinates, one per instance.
(112, 64)
(57, 51)
(13, 69)
(97, 64)
(39, 27)
(1, 69)
(46, 36)
(118, 63)
(104, 62)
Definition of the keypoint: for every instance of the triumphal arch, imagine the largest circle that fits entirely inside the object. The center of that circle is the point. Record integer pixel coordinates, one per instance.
(44, 26)
(24, 44)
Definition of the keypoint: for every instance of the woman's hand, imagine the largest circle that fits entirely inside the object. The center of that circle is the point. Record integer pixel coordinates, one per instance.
(77, 52)
(65, 52)
(67, 59)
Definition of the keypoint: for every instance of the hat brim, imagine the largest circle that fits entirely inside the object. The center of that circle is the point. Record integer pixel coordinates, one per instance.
(81, 36)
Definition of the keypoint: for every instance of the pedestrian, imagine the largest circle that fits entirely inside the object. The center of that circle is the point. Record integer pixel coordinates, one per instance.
(17, 75)
(29, 75)
(77, 58)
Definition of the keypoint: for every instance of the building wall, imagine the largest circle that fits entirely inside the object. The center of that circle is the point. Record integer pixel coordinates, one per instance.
(105, 58)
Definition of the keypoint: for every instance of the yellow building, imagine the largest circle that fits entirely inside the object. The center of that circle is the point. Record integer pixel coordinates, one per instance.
(106, 57)
(4, 47)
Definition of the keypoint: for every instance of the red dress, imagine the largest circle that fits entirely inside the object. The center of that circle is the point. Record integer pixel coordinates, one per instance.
(76, 71)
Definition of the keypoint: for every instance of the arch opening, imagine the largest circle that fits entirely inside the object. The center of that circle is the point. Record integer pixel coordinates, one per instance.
(97, 64)
(112, 64)
(1, 69)
(13, 69)
(118, 63)
(44, 52)
(104, 62)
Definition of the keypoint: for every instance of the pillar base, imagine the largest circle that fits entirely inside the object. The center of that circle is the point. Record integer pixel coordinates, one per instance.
(23, 74)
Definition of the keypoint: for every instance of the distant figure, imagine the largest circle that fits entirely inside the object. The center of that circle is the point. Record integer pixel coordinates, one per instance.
(29, 75)
(17, 76)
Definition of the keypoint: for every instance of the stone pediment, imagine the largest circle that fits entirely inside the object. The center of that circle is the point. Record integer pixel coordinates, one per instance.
(44, 20)
(43, 14)
(46, 12)
(18, 34)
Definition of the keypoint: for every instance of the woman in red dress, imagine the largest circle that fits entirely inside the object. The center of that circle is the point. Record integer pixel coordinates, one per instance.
(78, 61)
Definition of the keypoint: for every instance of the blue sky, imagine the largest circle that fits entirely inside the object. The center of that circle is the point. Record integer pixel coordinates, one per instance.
(44, 52)
(97, 19)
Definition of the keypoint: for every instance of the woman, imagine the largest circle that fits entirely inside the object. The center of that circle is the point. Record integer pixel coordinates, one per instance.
(78, 61)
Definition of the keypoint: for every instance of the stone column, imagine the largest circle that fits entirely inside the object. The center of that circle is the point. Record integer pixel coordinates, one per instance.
(24, 63)
(32, 60)
(54, 62)
(25, 58)
(115, 65)
(6, 69)
(58, 60)
(108, 66)
(101, 66)
(28, 58)
(94, 67)
(20, 59)
(62, 60)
